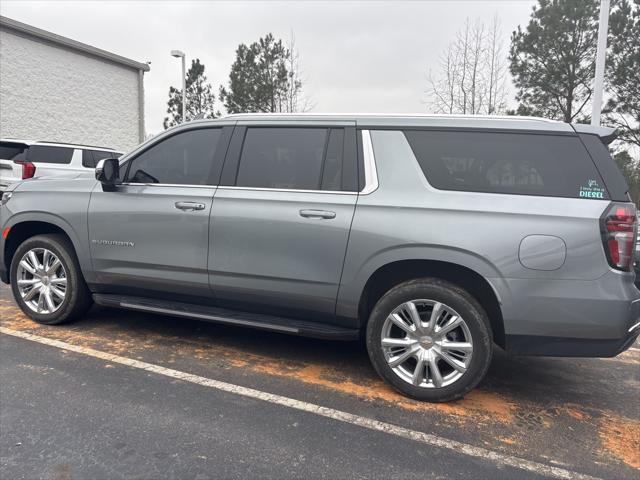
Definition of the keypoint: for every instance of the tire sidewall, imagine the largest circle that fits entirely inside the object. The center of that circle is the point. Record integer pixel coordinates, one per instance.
(456, 298)
(71, 270)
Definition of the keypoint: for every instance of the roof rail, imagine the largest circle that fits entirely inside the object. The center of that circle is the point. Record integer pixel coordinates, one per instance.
(403, 115)
(72, 144)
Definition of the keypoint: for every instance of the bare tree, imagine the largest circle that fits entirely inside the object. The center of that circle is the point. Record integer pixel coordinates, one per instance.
(293, 99)
(472, 76)
(496, 66)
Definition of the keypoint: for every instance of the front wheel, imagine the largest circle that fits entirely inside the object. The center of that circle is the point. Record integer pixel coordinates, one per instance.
(430, 340)
(46, 280)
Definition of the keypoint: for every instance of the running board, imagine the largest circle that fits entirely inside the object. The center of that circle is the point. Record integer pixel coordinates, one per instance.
(227, 316)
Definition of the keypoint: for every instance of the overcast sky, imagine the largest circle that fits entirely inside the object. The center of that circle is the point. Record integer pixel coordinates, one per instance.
(369, 56)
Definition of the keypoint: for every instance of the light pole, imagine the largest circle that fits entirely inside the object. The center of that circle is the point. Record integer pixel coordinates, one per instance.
(180, 54)
(600, 57)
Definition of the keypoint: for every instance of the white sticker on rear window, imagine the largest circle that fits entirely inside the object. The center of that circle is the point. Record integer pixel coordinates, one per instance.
(592, 190)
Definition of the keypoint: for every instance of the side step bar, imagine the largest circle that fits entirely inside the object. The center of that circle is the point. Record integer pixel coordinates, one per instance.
(227, 316)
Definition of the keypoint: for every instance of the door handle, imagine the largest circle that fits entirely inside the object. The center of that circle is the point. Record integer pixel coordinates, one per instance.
(317, 214)
(190, 206)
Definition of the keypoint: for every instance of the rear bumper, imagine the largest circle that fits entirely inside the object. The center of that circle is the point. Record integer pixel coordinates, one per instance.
(568, 347)
(599, 318)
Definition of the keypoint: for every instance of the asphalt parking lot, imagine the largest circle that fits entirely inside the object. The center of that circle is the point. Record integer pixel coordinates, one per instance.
(128, 395)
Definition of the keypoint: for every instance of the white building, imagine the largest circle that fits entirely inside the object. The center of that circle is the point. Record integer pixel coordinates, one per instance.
(56, 89)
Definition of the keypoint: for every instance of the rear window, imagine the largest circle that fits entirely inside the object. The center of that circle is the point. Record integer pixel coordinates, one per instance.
(12, 151)
(616, 183)
(507, 163)
(49, 154)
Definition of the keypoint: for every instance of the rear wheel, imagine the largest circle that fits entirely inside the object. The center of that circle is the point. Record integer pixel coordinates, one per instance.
(430, 340)
(46, 280)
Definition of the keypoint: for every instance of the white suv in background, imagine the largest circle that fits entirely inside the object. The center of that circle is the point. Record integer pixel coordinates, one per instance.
(22, 159)
(637, 264)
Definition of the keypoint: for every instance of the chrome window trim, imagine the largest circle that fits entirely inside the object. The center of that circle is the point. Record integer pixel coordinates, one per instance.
(167, 185)
(370, 170)
(231, 187)
(370, 177)
(293, 190)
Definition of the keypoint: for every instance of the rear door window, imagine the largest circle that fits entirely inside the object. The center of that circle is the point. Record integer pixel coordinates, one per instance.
(333, 160)
(50, 154)
(508, 163)
(281, 157)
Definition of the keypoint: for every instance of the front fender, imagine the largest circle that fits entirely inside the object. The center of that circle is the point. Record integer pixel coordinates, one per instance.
(65, 210)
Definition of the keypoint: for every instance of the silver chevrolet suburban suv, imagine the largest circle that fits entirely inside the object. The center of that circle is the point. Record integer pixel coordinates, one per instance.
(433, 238)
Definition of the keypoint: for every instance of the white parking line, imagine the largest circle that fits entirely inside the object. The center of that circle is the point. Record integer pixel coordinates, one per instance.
(421, 437)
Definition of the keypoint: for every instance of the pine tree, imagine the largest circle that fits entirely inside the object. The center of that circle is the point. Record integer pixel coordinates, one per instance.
(199, 97)
(630, 168)
(553, 59)
(264, 78)
(623, 71)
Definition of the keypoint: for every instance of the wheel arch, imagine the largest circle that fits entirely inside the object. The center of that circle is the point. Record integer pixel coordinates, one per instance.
(395, 272)
(24, 227)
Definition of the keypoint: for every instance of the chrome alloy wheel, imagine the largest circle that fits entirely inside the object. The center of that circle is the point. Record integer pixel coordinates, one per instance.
(426, 343)
(42, 280)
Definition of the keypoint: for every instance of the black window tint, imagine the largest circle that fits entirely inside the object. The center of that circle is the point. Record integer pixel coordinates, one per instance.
(49, 154)
(90, 158)
(13, 151)
(282, 158)
(616, 183)
(332, 170)
(511, 163)
(102, 154)
(184, 159)
(350, 161)
(87, 159)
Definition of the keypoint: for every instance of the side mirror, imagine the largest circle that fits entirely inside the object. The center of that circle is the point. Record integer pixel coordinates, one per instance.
(108, 173)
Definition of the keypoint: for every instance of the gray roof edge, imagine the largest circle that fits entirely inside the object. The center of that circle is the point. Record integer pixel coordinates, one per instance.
(15, 25)
(54, 144)
(418, 120)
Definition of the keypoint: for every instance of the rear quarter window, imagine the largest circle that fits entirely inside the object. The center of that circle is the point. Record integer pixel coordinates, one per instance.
(507, 163)
(13, 151)
(49, 154)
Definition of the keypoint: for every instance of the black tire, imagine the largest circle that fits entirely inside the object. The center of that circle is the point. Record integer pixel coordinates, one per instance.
(462, 302)
(78, 297)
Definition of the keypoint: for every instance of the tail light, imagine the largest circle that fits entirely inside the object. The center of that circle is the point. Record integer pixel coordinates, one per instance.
(619, 226)
(28, 169)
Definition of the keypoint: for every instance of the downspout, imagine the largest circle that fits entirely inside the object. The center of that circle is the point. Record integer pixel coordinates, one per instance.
(141, 131)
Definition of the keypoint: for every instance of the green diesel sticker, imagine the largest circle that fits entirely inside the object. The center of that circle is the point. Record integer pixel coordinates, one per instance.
(592, 190)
